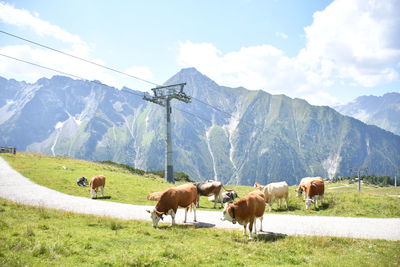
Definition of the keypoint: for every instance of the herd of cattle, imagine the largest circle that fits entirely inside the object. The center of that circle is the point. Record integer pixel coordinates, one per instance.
(245, 211)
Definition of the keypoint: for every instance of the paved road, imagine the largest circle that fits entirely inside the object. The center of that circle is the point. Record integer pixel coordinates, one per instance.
(17, 188)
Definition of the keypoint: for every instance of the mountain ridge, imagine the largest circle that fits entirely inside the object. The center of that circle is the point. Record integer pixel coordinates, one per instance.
(237, 135)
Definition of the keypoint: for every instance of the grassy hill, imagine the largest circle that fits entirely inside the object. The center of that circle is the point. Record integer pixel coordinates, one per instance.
(34, 236)
(123, 186)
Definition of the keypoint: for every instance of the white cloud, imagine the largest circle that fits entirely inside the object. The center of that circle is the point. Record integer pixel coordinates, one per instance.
(358, 40)
(350, 42)
(282, 35)
(74, 45)
(258, 67)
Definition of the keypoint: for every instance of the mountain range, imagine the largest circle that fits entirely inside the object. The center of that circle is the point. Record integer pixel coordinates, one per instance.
(233, 135)
(382, 111)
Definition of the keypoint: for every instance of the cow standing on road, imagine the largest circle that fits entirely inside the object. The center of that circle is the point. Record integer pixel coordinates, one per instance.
(183, 196)
(245, 211)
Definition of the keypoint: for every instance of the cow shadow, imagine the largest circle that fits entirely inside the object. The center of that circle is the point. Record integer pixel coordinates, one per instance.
(188, 225)
(104, 197)
(284, 209)
(269, 237)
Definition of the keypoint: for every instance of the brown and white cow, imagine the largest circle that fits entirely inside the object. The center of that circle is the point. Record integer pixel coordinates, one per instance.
(207, 189)
(95, 183)
(272, 191)
(314, 191)
(245, 211)
(183, 196)
(303, 183)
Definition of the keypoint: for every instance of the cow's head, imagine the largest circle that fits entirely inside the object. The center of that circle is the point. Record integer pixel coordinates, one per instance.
(299, 190)
(308, 203)
(155, 216)
(226, 215)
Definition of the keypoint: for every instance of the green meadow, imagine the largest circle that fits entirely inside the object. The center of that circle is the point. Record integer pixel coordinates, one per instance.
(34, 236)
(123, 186)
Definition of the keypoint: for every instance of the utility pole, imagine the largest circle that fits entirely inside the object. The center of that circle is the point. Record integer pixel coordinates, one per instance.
(358, 171)
(163, 96)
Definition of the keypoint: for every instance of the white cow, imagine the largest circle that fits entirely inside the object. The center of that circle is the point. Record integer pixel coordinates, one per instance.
(274, 191)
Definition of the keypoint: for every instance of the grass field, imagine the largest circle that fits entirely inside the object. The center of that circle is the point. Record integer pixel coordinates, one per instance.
(34, 236)
(122, 186)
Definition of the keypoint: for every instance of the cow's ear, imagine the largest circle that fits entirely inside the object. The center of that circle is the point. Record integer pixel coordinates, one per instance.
(148, 211)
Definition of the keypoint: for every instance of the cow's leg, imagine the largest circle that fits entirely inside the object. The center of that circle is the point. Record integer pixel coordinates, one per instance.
(194, 212)
(198, 201)
(261, 222)
(172, 213)
(215, 201)
(244, 229)
(102, 191)
(255, 226)
(251, 229)
(270, 206)
(287, 203)
(93, 192)
(280, 203)
(186, 211)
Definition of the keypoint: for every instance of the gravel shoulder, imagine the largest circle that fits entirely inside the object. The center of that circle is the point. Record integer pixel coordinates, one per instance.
(17, 188)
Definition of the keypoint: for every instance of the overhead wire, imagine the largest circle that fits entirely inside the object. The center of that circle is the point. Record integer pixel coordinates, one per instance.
(64, 73)
(76, 57)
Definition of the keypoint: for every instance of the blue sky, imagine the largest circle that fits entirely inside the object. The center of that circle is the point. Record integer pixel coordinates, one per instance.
(326, 52)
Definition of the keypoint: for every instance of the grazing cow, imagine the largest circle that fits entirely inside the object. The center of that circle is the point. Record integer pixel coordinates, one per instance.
(95, 183)
(228, 196)
(303, 183)
(314, 192)
(274, 191)
(82, 181)
(209, 188)
(183, 196)
(245, 211)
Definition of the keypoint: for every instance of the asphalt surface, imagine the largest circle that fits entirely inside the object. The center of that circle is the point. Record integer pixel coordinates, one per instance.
(17, 188)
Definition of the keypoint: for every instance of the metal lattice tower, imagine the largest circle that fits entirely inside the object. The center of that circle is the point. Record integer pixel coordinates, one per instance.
(163, 96)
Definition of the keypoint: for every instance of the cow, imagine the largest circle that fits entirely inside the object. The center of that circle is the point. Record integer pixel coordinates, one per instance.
(209, 188)
(245, 211)
(303, 182)
(184, 196)
(95, 183)
(314, 191)
(82, 181)
(228, 196)
(155, 196)
(272, 191)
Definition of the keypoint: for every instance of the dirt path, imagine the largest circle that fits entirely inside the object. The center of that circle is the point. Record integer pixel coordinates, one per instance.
(17, 188)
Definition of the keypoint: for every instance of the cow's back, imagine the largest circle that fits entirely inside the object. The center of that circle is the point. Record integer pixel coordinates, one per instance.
(315, 188)
(250, 206)
(180, 196)
(186, 194)
(276, 190)
(97, 181)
